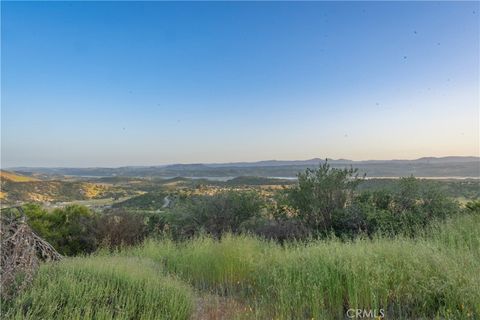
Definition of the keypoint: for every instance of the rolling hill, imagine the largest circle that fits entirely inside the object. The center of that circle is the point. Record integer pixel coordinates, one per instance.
(17, 188)
(423, 167)
(15, 177)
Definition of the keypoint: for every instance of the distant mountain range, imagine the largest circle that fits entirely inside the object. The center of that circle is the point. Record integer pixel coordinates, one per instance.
(423, 167)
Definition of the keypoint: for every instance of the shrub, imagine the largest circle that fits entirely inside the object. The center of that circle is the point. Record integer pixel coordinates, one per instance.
(324, 200)
(71, 230)
(214, 214)
(321, 194)
(280, 230)
(120, 227)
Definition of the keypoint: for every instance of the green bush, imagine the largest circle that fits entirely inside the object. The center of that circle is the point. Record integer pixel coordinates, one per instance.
(214, 214)
(326, 202)
(119, 227)
(321, 194)
(71, 230)
(75, 229)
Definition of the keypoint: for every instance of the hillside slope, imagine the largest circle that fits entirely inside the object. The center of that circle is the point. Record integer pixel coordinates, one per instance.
(423, 167)
(15, 177)
(13, 192)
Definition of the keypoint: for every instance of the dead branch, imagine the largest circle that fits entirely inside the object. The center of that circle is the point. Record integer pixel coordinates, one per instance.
(21, 253)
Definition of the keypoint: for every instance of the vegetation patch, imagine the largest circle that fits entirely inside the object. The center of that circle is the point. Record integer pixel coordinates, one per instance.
(103, 287)
(147, 201)
(434, 276)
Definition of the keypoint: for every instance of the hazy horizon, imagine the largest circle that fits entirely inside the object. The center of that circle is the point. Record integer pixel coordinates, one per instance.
(109, 84)
(235, 162)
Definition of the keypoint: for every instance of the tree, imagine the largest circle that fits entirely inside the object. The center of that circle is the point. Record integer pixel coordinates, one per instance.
(321, 193)
(214, 214)
(75, 228)
(71, 230)
(408, 194)
(120, 227)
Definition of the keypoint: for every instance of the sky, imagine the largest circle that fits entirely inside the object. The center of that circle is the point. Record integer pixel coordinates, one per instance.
(146, 83)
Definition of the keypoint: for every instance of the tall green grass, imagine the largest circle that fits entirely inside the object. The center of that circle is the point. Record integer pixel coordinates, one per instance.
(458, 233)
(103, 287)
(436, 275)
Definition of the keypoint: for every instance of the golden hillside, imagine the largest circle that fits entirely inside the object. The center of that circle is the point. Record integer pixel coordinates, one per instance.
(15, 177)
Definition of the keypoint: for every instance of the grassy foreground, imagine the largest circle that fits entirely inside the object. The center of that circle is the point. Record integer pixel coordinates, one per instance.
(103, 287)
(433, 276)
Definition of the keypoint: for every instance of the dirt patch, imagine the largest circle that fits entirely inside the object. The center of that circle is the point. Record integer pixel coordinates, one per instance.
(213, 307)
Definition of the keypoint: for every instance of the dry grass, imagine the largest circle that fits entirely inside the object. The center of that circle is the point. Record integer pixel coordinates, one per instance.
(215, 307)
(15, 177)
(93, 190)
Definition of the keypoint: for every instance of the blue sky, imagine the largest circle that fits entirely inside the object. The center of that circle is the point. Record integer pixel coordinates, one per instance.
(121, 83)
